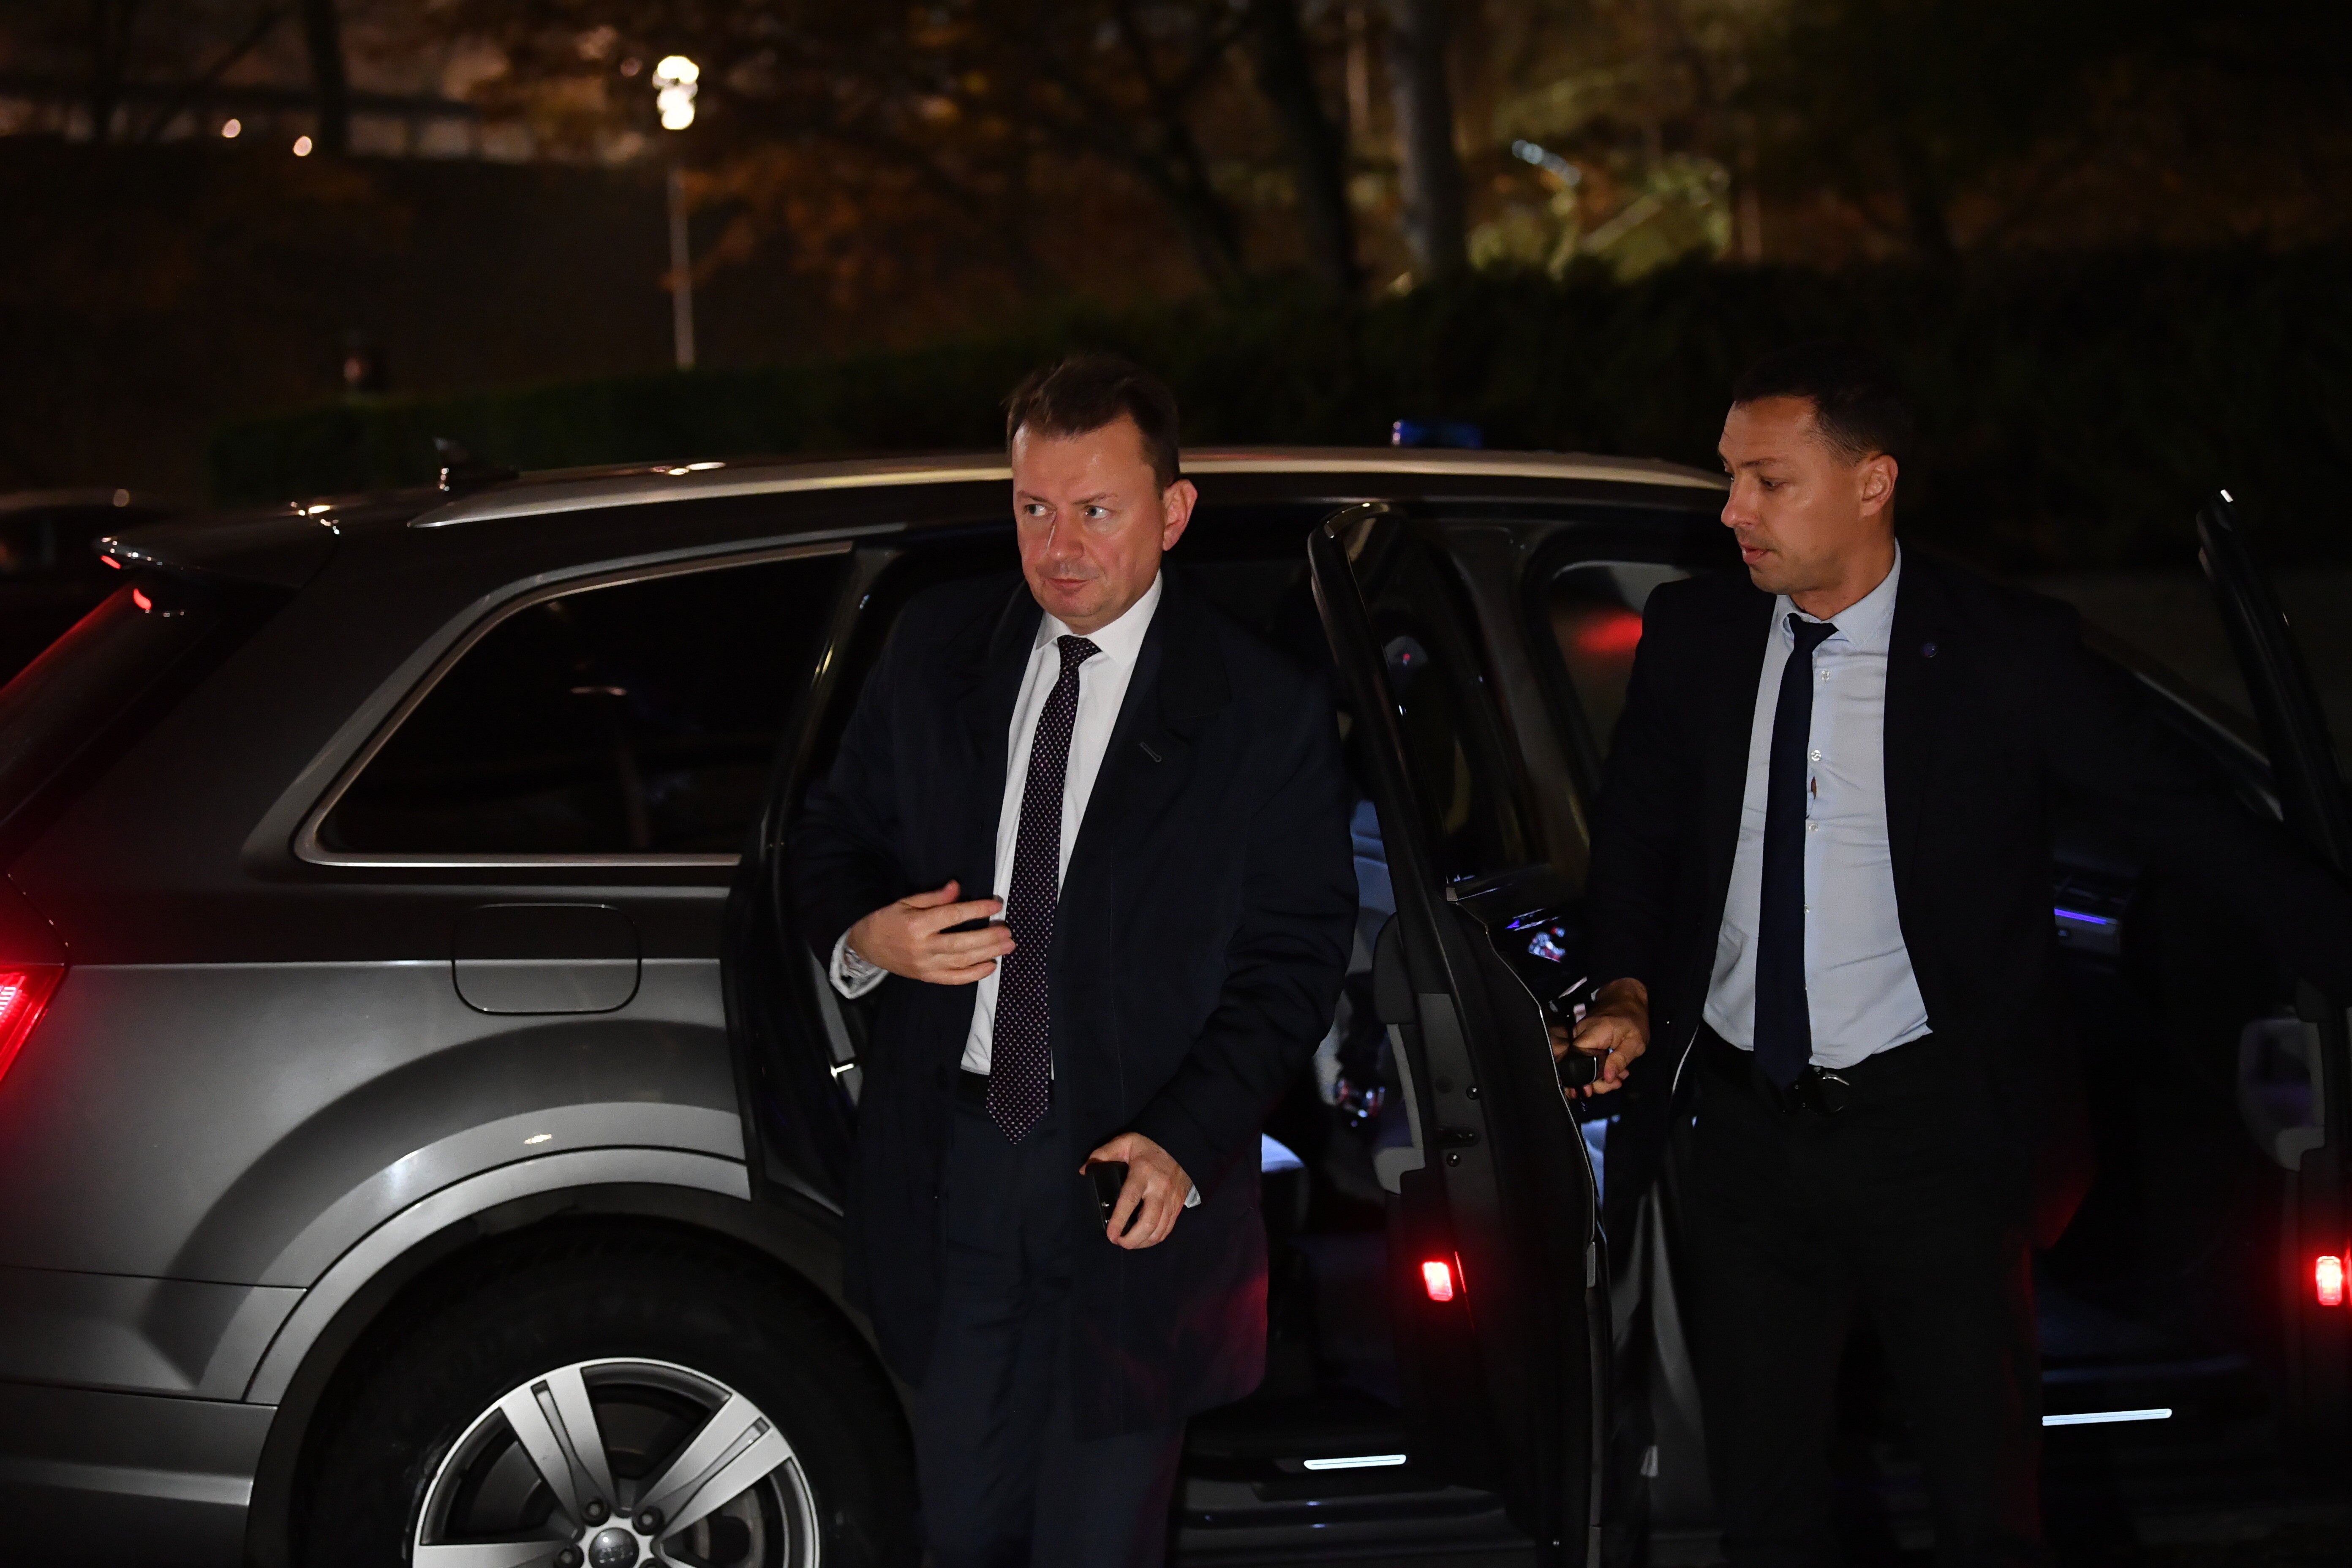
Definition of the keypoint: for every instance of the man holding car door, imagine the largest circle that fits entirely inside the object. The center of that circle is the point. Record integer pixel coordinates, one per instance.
(1153, 801)
(1821, 870)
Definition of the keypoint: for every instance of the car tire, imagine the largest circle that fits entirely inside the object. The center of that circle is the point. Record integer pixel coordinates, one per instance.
(678, 1346)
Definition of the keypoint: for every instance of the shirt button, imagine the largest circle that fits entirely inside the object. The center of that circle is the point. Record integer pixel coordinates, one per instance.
(1811, 827)
(1815, 755)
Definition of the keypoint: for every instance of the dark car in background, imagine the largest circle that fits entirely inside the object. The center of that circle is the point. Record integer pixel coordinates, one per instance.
(422, 1133)
(50, 575)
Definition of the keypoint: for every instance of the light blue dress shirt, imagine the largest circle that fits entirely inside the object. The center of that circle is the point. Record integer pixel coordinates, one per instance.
(1859, 987)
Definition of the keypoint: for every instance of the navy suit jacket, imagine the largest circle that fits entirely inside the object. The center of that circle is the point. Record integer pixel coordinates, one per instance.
(1991, 703)
(1202, 935)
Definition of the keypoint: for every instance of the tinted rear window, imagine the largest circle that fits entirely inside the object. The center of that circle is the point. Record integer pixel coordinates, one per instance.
(634, 718)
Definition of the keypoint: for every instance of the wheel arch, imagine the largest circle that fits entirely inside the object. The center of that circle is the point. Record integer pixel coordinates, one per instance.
(697, 1197)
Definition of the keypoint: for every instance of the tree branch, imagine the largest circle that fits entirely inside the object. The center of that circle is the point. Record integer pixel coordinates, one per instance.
(195, 91)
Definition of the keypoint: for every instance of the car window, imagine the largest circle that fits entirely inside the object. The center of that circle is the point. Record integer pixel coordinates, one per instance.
(1463, 771)
(2168, 616)
(1594, 609)
(638, 716)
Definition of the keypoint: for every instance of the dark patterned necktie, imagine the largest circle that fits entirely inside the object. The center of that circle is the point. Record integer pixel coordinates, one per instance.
(1021, 1057)
(1784, 1017)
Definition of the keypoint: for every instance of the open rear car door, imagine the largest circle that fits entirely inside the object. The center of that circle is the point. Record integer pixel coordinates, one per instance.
(2315, 1235)
(1499, 1280)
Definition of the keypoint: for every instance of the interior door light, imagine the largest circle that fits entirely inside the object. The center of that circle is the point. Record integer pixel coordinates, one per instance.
(2327, 1279)
(1437, 1279)
(25, 992)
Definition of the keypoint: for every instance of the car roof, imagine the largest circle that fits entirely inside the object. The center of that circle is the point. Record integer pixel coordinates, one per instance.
(579, 489)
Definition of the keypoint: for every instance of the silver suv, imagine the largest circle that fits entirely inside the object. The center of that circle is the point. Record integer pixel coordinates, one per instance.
(422, 1133)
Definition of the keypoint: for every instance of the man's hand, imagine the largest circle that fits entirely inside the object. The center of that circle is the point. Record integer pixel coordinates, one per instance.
(1154, 1192)
(1616, 1028)
(910, 937)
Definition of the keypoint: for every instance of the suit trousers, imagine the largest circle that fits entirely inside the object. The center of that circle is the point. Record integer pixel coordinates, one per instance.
(1799, 1220)
(1004, 1479)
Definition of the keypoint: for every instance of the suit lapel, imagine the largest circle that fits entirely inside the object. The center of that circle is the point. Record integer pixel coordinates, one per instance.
(1729, 724)
(1919, 654)
(993, 687)
(1180, 680)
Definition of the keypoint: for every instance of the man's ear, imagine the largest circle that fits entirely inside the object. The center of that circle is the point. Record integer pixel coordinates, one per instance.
(1874, 479)
(1175, 510)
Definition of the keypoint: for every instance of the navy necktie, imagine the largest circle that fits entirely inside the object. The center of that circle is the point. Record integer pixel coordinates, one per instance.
(1021, 1054)
(1784, 1021)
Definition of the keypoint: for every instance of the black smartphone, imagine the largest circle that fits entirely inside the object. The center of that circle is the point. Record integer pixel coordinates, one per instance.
(1109, 1176)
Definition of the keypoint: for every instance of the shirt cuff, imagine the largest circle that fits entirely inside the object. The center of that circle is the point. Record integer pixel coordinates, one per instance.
(852, 974)
(1192, 1198)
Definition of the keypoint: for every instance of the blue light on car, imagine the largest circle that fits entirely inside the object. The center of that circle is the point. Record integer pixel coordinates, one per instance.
(2079, 915)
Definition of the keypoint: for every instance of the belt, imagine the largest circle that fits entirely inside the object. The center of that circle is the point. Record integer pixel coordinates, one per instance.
(1819, 1091)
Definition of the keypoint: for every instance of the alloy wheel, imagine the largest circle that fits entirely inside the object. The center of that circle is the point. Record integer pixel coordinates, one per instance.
(618, 1464)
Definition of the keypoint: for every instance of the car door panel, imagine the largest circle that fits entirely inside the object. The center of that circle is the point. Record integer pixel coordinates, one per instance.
(1496, 1251)
(2318, 1328)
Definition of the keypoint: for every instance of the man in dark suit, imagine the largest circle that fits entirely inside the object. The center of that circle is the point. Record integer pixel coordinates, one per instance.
(1821, 869)
(1156, 802)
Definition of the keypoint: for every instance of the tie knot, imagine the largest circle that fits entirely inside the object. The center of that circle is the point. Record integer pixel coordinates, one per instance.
(1810, 634)
(1076, 651)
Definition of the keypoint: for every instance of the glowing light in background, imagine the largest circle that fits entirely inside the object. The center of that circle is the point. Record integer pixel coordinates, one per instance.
(677, 80)
(301, 146)
(1611, 634)
(230, 129)
(675, 85)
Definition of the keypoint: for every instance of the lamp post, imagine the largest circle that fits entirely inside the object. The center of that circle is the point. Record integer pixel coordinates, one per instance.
(673, 88)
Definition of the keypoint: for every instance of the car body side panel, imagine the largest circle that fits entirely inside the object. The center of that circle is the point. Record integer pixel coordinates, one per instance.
(243, 1124)
(383, 1247)
(98, 1479)
(142, 1335)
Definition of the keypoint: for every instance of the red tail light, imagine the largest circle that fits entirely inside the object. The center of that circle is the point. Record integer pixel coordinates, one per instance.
(25, 992)
(1437, 1280)
(2327, 1279)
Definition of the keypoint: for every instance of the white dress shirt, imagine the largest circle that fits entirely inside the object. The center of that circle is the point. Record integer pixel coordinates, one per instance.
(1102, 688)
(1859, 987)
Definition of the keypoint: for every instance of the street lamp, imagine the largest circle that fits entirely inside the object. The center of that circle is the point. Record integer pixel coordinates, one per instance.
(675, 79)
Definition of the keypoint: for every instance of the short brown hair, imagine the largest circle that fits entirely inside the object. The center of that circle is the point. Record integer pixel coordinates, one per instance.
(1087, 391)
(1857, 407)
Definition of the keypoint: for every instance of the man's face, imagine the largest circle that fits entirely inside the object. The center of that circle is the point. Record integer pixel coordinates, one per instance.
(1803, 512)
(1093, 520)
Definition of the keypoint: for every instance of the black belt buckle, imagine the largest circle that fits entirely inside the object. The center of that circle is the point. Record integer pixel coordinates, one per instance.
(1822, 1093)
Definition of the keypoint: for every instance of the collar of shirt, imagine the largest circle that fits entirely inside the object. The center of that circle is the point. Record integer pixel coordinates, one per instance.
(1121, 641)
(1867, 624)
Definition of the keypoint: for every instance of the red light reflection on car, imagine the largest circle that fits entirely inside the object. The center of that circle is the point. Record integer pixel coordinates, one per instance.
(24, 992)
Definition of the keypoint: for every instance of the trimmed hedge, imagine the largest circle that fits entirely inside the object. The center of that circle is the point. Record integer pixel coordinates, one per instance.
(2076, 409)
